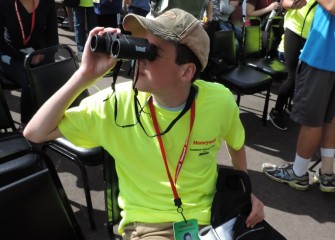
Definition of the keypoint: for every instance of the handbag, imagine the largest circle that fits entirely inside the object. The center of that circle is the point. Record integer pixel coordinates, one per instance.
(71, 3)
(233, 200)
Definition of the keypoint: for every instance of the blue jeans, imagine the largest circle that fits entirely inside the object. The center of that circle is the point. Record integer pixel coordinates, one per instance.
(83, 18)
(15, 71)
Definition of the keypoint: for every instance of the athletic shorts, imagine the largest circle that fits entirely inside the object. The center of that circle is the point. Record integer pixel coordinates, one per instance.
(314, 97)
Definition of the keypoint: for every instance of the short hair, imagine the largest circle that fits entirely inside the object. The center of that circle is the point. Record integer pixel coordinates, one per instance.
(185, 55)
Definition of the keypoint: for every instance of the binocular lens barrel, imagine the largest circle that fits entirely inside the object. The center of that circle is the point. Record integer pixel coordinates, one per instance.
(98, 44)
(123, 46)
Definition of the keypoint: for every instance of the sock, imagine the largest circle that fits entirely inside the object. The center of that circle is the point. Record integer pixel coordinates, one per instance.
(327, 159)
(300, 165)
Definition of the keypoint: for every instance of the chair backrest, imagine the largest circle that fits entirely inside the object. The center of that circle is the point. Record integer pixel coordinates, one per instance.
(45, 79)
(224, 46)
(252, 42)
(273, 36)
(36, 206)
(111, 194)
(6, 120)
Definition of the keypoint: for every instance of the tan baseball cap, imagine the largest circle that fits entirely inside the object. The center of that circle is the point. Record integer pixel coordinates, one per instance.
(173, 25)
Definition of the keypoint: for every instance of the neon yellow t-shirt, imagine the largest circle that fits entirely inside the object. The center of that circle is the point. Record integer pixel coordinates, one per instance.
(295, 19)
(145, 191)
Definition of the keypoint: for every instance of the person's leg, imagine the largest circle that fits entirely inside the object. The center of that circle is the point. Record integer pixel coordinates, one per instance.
(91, 18)
(293, 43)
(148, 231)
(325, 175)
(79, 27)
(70, 17)
(328, 148)
(314, 104)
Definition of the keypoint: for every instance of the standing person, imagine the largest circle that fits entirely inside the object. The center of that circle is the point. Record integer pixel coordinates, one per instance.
(171, 109)
(194, 7)
(108, 12)
(84, 20)
(261, 8)
(139, 7)
(314, 106)
(298, 20)
(26, 25)
(222, 9)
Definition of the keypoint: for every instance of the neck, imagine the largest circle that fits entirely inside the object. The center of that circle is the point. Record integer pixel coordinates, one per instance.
(175, 100)
(29, 5)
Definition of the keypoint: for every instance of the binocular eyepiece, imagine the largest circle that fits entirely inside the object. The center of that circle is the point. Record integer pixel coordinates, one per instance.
(122, 46)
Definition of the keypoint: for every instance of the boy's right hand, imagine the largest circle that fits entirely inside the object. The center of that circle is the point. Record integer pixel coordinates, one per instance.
(94, 65)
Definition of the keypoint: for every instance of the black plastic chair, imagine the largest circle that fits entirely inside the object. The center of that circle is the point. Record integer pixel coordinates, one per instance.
(10, 141)
(253, 54)
(111, 195)
(241, 79)
(45, 80)
(36, 206)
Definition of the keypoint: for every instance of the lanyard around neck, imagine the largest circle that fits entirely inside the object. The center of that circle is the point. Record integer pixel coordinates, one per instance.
(177, 199)
(24, 38)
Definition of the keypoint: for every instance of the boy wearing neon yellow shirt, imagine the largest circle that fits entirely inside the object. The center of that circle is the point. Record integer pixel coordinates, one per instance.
(164, 130)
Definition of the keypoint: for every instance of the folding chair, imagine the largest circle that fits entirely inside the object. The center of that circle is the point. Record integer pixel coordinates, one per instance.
(111, 195)
(241, 79)
(36, 206)
(45, 80)
(252, 50)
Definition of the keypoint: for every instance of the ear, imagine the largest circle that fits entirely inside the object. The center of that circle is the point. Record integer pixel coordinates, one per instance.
(187, 71)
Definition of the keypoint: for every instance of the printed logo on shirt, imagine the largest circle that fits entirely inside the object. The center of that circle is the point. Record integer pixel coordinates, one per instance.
(202, 146)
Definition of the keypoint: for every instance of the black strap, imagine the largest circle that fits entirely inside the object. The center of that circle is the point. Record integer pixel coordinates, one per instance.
(309, 10)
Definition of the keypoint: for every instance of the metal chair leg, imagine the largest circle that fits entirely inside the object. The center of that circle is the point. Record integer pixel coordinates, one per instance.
(87, 194)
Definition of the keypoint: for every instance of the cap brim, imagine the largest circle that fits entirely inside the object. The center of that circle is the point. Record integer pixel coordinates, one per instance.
(138, 25)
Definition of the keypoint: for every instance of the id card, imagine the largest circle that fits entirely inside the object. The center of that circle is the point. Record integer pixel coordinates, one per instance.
(186, 230)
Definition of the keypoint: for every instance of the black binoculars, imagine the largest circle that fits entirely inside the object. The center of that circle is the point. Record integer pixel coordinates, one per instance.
(122, 46)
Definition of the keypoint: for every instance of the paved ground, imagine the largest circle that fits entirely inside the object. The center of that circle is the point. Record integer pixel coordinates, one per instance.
(297, 215)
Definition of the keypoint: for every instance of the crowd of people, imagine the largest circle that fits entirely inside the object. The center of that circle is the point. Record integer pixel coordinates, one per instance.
(164, 107)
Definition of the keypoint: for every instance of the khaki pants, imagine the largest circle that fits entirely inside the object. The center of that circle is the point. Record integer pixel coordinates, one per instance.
(148, 231)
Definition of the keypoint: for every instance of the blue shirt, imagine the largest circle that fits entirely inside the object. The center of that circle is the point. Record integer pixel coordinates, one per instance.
(319, 51)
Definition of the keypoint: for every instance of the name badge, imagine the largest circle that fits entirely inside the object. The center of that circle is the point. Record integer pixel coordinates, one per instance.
(186, 230)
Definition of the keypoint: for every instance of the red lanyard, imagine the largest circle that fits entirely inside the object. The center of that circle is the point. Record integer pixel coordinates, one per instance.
(24, 39)
(177, 199)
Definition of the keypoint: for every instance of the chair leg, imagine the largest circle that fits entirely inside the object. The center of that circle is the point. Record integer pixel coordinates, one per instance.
(238, 99)
(87, 194)
(84, 177)
(266, 106)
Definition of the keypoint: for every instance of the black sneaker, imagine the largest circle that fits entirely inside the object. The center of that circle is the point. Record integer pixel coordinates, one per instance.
(285, 174)
(326, 181)
(277, 119)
